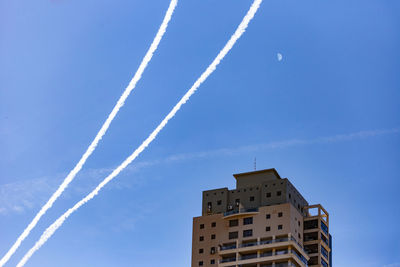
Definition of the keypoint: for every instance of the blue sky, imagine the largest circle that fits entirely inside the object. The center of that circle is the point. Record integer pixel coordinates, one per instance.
(326, 117)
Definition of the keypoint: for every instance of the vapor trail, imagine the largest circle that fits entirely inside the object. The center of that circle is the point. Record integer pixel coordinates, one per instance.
(210, 69)
(100, 134)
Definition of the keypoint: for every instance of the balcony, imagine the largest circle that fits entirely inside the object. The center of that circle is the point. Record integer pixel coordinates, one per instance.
(259, 251)
(227, 260)
(279, 255)
(233, 213)
(286, 264)
(261, 243)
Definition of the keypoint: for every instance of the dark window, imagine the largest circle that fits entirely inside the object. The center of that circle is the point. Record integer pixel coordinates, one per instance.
(201, 226)
(233, 235)
(268, 228)
(200, 263)
(212, 236)
(247, 233)
(201, 251)
(278, 193)
(251, 198)
(280, 227)
(212, 250)
(201, 238)
(233, 223)
(268, 216)
(310, 224)
(237, 202)
(219, 202)
(298, 223)
(212, 261)
(248, 220)
(299, 236)
(280, 214)
(268, 194)
(290, 196)
(213, 224)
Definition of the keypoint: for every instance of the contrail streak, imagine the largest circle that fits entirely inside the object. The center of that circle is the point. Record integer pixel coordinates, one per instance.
(210, 69)
(100, 134)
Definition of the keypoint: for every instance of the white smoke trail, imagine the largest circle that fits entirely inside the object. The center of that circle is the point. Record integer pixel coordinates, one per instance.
(52, 228)
(100, 134)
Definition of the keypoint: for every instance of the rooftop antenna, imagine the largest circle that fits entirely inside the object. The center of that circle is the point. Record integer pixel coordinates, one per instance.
(255, 163)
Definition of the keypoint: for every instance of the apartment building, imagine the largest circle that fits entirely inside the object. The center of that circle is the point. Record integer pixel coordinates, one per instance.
(264, 222)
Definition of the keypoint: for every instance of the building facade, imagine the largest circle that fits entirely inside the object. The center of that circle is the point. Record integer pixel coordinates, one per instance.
(264, 222)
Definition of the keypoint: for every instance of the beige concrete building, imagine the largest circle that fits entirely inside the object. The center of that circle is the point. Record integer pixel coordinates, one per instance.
(264, 222)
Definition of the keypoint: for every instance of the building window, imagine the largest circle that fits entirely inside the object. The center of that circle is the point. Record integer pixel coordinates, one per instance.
(251, 198)
(200, 263)
(248, 220)
(268, 228)
(213, 224)
(299, 236)
(201, 238)
(298, 223)
(202, 226)
(233, 235)
(212, 261)
(219, 202)
(247, 233)
(212, 250)
(213, 236)
(278, 193)
(280, 214)
(280, 227)
(290, 196)
(201, 251)
(268, 194)
(268, 216)
(233, 223)
(237, 202)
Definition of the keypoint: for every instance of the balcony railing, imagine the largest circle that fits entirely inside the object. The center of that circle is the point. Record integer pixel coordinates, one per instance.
(240, 211)
(227, 260)
(301, 257)
(247, 257)
(228, 247)
(279, 265)
(263, 242)
(278, 252)
(265, 254)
